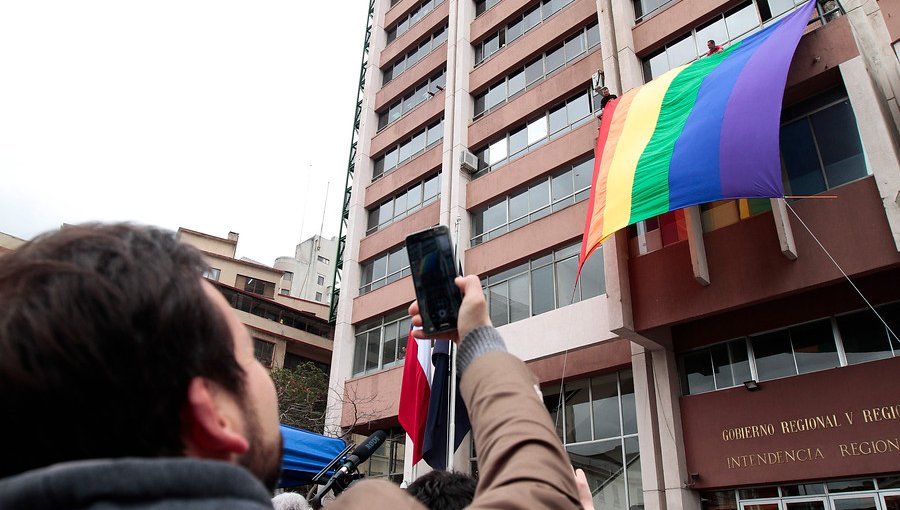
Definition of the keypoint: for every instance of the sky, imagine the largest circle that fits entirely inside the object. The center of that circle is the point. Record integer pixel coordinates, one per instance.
(213, 115)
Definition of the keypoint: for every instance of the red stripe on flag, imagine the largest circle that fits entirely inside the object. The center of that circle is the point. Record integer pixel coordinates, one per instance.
(605, 123)
(415, 393)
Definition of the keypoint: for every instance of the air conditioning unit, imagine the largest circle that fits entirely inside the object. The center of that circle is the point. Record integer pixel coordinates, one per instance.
(468, 161)
(597, 80)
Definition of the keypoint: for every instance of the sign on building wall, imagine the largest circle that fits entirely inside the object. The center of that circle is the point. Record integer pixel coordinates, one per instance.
(841, 422)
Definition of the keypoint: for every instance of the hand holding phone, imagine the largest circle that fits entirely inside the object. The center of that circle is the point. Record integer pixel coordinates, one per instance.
(473, 311)
(434, 270)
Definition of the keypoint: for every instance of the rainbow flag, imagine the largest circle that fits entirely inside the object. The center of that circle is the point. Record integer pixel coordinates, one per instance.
(701, 132)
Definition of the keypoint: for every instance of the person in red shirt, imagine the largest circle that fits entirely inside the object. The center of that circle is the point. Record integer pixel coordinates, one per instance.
(713, 47)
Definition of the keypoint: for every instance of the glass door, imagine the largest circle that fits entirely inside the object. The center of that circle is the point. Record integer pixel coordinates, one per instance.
(856, 502)
(761, 505)
(890, 500)
(805, 504)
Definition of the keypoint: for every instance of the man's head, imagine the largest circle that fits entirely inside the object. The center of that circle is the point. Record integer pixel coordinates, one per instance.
(604, 91)
(113, 346)
(443, 490)
(711, 44)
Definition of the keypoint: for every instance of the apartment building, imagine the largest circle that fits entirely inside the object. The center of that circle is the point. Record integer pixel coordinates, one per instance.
(309, 273)
(286, 331)
(714, 357)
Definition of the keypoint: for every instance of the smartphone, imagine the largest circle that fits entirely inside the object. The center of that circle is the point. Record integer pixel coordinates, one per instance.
(433, 269)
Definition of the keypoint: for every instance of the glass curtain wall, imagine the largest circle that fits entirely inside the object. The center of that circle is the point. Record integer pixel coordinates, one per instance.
(846, 339)
(597, 422)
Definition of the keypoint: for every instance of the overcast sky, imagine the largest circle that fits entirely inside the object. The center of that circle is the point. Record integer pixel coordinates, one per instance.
(212, 115)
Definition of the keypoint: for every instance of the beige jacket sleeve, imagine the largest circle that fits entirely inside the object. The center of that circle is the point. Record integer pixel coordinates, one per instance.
(522, 464)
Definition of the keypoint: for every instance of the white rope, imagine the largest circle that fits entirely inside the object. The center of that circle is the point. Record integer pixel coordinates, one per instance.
(842, 271)
(559, 404)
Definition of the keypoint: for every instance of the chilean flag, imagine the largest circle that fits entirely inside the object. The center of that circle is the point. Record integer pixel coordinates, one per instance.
(424, 401)
(415, 392)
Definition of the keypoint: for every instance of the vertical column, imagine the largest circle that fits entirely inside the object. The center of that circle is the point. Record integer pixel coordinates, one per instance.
(695, 243)
(783, 227)
(663, 463)
(876, 131)
(648, 429)
(608, 46)
(629, 65)
(458, 112)
(344, 341)
(874, 42)
(671, 439)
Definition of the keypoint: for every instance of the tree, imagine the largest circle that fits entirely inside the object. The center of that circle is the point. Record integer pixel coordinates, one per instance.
(302, 395)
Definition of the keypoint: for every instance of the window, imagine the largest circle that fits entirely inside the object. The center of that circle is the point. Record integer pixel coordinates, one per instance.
(384, 269)
(320, 279)
(387, 461)
(566, 186)
(398, 155)
(264, 351)
(543, 284)
(419, 94)
(722, 366)
(318, 296)
(517, 26)
(275, 312)
(288, 276)
(551, 124)
(400, 206)
(323, 260)
(404, 23)
(381, 343)
(523, 78)
(597, 421)
(730, 26)
(255, 285)
(814, 494)
(820, 145)
(644, 7)
(415, 54)
(483, 5)
(212, 273)
(847, 339)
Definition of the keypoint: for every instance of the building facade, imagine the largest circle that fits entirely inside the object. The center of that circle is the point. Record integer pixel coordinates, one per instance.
(714, 357)
(286, 331)
(309, 273)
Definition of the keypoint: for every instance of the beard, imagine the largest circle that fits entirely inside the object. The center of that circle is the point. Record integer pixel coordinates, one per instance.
(263, 459)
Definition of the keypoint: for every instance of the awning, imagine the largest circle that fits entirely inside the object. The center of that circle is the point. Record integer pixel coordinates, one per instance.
(305, 454)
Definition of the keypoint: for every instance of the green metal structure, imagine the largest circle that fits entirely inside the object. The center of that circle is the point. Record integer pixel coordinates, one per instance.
(348, 185)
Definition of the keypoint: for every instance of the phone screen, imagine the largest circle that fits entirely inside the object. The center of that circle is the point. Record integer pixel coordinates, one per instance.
(433, 270)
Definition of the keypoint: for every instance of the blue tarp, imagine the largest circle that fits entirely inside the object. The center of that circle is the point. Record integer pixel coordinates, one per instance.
(305, 454)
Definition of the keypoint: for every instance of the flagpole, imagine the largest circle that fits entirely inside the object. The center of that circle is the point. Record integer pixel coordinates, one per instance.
(451, 437)
(451, 415)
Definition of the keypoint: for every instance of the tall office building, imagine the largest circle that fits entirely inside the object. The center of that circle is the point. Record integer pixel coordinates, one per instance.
(712, 357)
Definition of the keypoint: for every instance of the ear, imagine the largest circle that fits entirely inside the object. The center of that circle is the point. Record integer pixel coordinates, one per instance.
(212, 422)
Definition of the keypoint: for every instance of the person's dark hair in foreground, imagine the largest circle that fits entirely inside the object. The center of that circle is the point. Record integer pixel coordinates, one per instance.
(126, 381)
(443, 490)
(113, 346)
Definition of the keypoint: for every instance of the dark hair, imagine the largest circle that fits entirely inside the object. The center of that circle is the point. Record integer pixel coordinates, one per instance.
(102, 328)
(711, 41)
(443, 490)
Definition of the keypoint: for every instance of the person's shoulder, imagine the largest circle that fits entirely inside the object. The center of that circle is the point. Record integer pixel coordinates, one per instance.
(377, 495)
